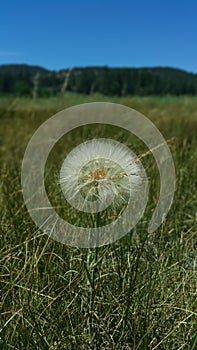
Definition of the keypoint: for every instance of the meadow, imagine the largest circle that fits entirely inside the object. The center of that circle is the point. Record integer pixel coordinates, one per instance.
(145, 285)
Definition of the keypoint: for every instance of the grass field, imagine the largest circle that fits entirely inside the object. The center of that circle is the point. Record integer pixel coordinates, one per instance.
(145, 289)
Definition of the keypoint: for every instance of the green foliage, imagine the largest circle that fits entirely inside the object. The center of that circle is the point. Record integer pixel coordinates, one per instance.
(145, 285)
(18, 80)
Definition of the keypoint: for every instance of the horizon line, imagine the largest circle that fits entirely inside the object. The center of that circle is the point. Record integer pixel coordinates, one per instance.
(98, 66)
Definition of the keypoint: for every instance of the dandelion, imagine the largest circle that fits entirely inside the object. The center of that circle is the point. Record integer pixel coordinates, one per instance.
(98, 173)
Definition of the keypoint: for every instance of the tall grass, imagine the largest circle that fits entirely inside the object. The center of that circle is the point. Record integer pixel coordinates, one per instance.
(145, 285)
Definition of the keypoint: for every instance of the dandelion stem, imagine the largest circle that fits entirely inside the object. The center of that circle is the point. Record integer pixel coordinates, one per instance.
(93, 268)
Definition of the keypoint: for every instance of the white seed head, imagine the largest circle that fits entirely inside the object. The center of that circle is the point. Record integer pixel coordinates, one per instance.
(98, 173)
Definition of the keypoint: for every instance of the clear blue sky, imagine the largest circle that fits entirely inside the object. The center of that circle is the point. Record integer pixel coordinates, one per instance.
(117, 33)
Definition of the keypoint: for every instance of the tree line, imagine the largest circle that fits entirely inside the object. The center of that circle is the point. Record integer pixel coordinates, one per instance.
(24, 80)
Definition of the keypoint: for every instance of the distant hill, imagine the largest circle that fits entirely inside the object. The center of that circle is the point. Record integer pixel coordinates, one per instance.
(25, 80)
(21, 69)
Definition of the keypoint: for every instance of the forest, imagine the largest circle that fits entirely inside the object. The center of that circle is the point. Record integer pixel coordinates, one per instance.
(33, 81)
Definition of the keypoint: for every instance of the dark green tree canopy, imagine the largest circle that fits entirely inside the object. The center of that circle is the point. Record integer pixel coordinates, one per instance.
(19, 80)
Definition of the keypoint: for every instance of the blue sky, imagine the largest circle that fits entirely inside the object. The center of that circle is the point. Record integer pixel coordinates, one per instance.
(61, 34)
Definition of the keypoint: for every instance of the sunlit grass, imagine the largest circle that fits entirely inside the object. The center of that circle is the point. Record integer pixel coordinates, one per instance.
(145, 285)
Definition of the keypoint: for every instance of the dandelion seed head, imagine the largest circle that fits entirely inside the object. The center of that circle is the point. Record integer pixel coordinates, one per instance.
(98, 173)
